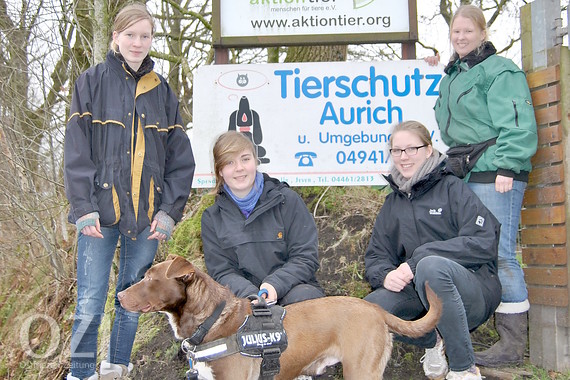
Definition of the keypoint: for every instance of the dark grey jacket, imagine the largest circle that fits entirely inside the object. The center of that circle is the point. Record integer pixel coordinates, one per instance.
(442, 217)
(277, 244)
(106, 170)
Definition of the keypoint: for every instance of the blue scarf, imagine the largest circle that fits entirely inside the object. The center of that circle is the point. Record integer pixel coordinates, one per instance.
(247, 203)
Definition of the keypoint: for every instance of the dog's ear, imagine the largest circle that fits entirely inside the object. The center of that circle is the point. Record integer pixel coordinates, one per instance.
(171, 257)
(180, 268)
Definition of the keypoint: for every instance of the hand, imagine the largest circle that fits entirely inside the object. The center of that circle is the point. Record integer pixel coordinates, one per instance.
(432, 60)
(161, 227)
(503, 184)
(89, 225)
(93, 231)
(272, 297)
(397, 279)
(155, 234)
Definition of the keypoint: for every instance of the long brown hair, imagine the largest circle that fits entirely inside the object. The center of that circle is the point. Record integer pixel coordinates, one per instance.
(227, 145)
(129, 15)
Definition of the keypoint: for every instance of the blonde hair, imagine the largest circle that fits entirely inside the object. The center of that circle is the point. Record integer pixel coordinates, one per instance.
(414, 127)
(474, 14)
(128, 16)
(226, 147)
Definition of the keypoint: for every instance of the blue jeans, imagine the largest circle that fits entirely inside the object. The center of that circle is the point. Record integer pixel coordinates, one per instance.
(507, 209)
(461, 297)
(94, 260)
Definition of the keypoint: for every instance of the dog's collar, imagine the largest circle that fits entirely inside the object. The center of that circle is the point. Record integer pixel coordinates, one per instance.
(213, 350)
(203, 329)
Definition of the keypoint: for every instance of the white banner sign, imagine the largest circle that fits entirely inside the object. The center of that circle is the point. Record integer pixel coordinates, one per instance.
(241, 18)
(313, 124)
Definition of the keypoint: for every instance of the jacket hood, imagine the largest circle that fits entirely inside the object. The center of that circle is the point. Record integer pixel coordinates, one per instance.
(476, 56)
(271, 183)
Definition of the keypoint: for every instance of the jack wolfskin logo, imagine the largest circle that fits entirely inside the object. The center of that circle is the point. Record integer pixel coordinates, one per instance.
(279, 235)
(433, 211)
(480, 221)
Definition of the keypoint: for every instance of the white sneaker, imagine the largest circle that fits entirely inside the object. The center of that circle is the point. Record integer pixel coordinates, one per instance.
(110, 371)
(472, 373)
(434, 361)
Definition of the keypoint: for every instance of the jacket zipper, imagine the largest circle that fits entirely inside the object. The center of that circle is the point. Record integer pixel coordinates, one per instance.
(260, 210)
(449, 99)
(463, 94)
(516, 113)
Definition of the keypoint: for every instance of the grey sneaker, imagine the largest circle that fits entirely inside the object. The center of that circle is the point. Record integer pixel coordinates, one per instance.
(434, 362)
(110, 371)
(469, 374)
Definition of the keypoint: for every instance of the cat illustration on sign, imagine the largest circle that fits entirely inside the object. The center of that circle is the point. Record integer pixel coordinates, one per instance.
(242, 80)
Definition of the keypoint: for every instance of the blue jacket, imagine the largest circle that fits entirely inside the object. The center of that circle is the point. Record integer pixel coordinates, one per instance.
(127, 154)
(277, 243)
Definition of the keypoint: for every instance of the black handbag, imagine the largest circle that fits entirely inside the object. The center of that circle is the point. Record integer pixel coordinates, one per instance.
(461, 159)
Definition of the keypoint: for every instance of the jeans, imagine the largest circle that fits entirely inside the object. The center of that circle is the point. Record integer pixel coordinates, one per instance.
(461, 296)
(94, 261)
(507, 209)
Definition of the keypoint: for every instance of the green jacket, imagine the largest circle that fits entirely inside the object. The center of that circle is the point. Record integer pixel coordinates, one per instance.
(485, 96)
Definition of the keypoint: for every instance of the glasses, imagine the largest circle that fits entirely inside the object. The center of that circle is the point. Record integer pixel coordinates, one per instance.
(410, 151)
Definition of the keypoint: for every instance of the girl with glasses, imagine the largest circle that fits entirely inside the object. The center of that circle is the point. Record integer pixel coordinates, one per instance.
(433, 228)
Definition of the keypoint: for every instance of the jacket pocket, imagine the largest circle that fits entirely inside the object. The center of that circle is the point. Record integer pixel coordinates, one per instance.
(523, 112)
(107, 196)
(152, 187)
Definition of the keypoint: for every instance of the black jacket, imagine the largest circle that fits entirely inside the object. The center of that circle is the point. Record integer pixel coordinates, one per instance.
(127, 154)
(277, 244)
(442, 217)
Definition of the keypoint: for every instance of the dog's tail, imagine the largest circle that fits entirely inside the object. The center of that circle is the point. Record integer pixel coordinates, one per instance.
(420, 327)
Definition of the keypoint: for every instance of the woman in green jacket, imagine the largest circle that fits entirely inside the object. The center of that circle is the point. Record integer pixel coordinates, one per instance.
(482, 97)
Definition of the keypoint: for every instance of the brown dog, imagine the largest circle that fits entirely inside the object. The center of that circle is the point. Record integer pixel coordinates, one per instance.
(320, 332)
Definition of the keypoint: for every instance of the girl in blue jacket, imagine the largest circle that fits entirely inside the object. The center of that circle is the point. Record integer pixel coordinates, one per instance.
(128, 172)
(433, 228)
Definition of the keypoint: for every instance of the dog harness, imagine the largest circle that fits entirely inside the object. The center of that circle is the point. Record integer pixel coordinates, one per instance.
(260, 336)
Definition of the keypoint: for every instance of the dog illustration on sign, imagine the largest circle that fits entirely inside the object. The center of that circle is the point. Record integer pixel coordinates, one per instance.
(246, 120)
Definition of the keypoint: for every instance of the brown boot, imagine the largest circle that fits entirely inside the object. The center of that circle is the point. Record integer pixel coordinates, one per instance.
(510, 349)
